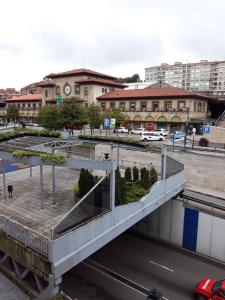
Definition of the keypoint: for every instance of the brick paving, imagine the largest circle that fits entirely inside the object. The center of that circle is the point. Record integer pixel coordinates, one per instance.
(25, 206)
(9, 291)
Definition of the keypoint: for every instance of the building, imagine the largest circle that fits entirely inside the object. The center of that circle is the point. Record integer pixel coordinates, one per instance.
(28, 106)
(167, 107)
(204, 76)
(8, 93)
(83, 84)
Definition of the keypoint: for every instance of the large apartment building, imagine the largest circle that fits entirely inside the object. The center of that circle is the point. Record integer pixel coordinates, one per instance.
(204, 76)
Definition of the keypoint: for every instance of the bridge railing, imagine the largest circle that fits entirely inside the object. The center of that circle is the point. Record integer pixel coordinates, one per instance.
(24, 235)
(95, 203)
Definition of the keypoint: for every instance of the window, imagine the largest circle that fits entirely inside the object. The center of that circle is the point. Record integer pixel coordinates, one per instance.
(112, 105)
(18, 105)
(168, 105)
(143, 106)
(180, 105)
(133, 106)
(57, 90)
(199, 107)
(77, 89)
(105, 90)
(195, 106)
(85, 91)
(46, 93)
(122, 106)
(28, 105)
(23, 105)
(34, 106)
(155, 105)
(103, 106)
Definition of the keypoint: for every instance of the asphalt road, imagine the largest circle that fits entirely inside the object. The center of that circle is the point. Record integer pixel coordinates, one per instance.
(154, 265)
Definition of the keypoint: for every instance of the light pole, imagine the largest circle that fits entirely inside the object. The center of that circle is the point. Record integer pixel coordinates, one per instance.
(186, 127)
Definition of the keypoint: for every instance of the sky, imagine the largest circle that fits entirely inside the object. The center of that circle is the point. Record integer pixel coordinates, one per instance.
(116, 37)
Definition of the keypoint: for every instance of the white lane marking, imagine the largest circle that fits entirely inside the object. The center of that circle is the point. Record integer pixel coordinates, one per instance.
(161, 266)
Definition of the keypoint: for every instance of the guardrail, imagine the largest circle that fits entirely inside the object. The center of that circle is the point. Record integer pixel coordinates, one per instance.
(25, 235)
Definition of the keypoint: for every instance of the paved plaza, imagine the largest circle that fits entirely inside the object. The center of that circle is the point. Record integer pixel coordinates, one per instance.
(25, 206)
(9, 291)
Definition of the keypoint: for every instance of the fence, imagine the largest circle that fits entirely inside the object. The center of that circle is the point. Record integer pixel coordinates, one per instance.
(93, 204)
(24, 235)
(173, 166)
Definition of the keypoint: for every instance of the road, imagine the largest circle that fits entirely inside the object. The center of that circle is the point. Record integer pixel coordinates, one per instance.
(151, 264)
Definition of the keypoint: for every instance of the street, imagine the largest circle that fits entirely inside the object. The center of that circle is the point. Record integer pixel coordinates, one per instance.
(149, 263)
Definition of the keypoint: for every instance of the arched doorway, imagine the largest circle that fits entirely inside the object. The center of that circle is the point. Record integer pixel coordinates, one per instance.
(175, 124)
(137, 121)
(162, 122)
(149, 123)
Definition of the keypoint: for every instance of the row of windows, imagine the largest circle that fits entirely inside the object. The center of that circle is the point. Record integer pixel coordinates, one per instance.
(32, 106)
(199, 106)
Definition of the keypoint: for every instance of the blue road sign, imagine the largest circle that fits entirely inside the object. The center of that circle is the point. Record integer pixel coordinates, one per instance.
(107, 123)
(206, 129)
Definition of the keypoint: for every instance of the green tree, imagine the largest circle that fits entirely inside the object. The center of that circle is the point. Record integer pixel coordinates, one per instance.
(131, 79)
(12, 113)
(49, 117)
(72, 113)
(119, 116)
(153, 176)
(86, 182)
(94, 116)
(145, 179)
(135, 174)
(128, 175)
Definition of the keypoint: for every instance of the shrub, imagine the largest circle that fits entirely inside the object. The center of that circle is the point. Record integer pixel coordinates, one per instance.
(203, 142)
(135, 174)
(145, 178)
(128, 174)
(56, 158)
(22, 153)
(153, 176)
(86, 182)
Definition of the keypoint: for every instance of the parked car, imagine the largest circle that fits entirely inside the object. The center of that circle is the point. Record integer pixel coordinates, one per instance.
(137, 130)
(120, 130)
(151, 136)
(32, 124)
(210, 289)
(162, 131)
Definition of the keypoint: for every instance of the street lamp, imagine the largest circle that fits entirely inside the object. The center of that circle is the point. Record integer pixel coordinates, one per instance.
(186, 125)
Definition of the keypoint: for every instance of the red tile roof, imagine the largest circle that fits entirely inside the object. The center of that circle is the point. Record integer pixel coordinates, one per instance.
(23, 98)
(78, 72)
(167, 92)
(99, 81)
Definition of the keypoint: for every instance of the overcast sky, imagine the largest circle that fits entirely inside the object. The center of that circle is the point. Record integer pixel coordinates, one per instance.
(118, 37)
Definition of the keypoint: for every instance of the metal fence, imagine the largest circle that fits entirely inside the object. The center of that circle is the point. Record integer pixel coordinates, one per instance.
(24, 235)
(93, 204)
(173, 166)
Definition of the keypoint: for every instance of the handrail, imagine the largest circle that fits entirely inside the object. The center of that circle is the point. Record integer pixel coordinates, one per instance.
(25, 235)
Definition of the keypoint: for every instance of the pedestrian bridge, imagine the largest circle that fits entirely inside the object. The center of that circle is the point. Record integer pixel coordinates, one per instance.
(87, 225)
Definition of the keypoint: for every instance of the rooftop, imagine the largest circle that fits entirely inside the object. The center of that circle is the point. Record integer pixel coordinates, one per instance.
(164, 92)
(29, 97)
(99, 81)
(201, 62)
(80, 72)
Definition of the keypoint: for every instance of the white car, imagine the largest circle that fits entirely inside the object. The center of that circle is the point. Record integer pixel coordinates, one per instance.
(137, 131)
(152, 136)
(162, 131)
(32, 124)
(120, 130)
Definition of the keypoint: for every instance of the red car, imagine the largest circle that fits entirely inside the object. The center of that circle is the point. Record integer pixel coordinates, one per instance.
(210, 289)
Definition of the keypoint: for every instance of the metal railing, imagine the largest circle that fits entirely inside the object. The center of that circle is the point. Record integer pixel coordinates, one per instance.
(220, 119)
(25, 235)
(93, 204)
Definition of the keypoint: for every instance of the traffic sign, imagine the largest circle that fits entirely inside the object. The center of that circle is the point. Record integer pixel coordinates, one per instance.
(58, 99)
(107, 123)
(206, 129)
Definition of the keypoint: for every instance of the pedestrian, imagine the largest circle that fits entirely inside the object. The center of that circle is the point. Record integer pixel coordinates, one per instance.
(10, 190)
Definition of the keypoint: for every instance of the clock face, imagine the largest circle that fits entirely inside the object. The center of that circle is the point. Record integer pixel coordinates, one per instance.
(67, 89)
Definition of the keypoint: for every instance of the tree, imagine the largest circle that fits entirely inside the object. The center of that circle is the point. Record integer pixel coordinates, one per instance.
(135, 174)
(86, 182)
(49, 118)
(119, 116)
(153, 176)
(131, 79)
(94, 116)
(145, 179)
(12, 113)
(72, 113)
(128, 174)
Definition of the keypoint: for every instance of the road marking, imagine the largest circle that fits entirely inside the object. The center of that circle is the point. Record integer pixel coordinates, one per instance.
(161, 266)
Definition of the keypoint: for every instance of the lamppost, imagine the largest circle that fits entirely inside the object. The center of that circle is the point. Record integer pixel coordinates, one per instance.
(186, 126)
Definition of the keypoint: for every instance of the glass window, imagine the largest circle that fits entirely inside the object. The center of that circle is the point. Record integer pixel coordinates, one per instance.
(133, 106)
(112, 105)
(57, 90)
(122, 106)
(103, 106)
(46, 93)
(143, 106)
(155, 105)
(168, 105)
(77, 89)
(85, 91)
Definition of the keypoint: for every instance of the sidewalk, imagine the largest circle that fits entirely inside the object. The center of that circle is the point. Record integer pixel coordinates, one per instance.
(9, 291)
(206, 191)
